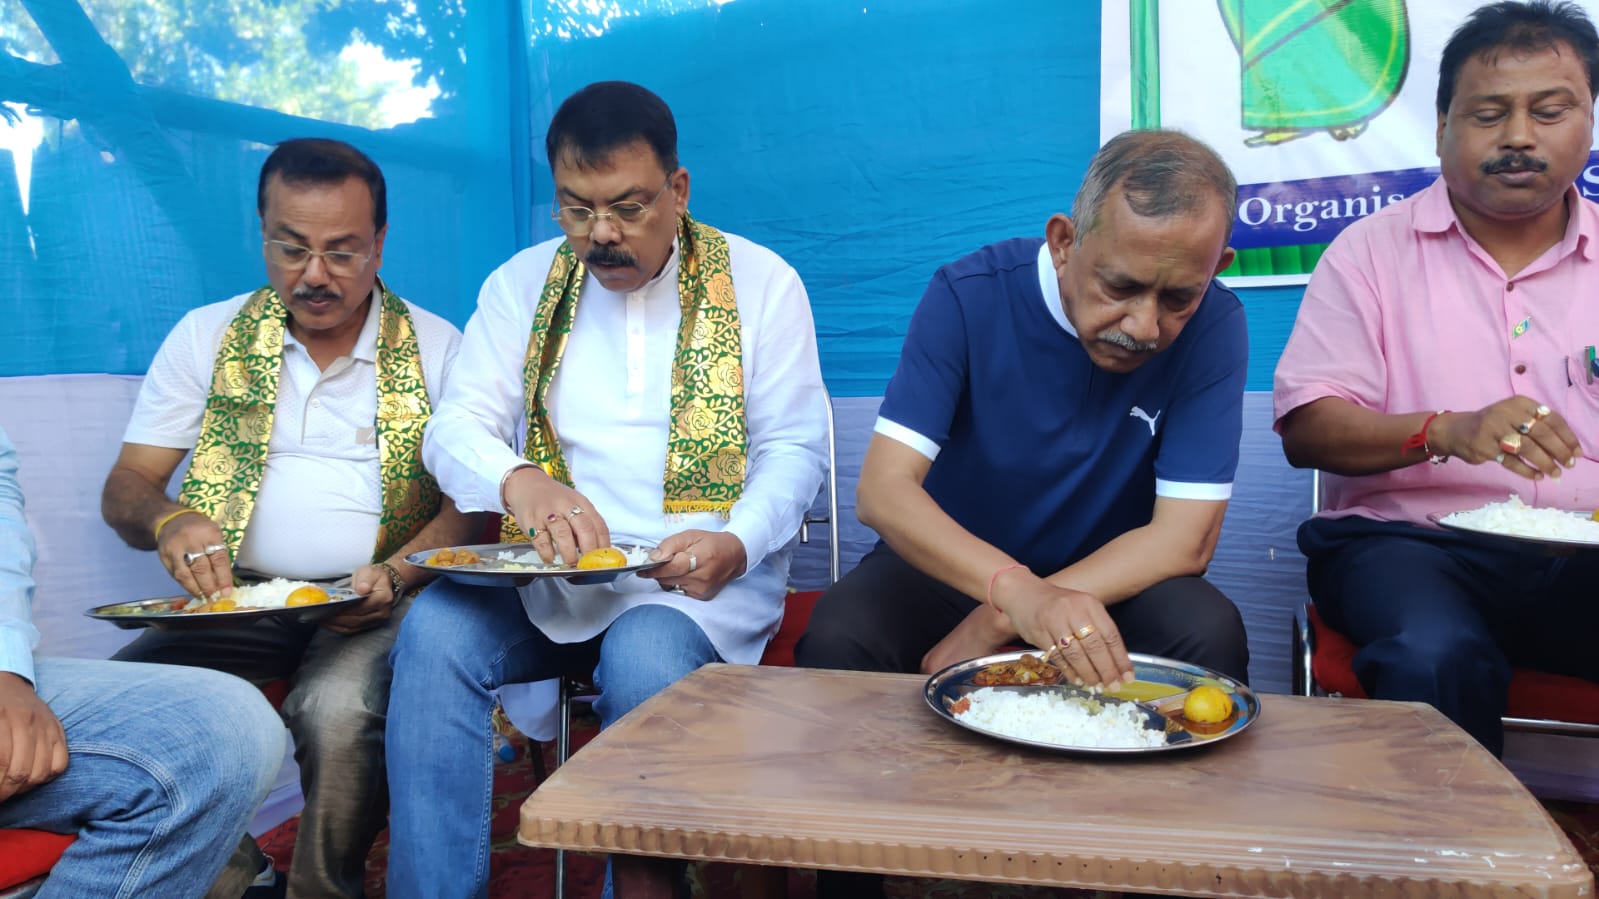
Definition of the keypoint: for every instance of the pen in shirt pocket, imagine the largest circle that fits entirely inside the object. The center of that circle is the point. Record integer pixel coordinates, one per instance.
(1589, 364)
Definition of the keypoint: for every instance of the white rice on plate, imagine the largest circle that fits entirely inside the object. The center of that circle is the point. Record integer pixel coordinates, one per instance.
(273, 594)
(1048, 717)
(1517, 519)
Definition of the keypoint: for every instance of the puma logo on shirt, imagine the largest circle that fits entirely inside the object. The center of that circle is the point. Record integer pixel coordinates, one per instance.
(1148, 419)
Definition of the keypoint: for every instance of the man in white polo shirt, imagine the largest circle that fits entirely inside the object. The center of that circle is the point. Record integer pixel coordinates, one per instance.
(304, 404)
(676, 401)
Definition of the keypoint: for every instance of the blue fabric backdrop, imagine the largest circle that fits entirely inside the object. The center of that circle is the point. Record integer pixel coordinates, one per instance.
(867, 144)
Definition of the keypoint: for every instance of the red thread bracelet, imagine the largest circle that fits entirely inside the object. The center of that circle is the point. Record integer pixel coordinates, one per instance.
(1418, 440)
(994, 577)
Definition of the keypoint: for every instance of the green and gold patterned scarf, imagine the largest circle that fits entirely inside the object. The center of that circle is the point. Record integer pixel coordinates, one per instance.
(706, 448)
(231, 452)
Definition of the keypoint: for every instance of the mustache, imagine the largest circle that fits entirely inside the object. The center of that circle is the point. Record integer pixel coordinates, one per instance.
(315, 293)
(1120, 338)
(608, 255)
(1514, 162)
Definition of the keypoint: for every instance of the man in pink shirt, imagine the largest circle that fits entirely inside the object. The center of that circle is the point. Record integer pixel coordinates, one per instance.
(1453, 328)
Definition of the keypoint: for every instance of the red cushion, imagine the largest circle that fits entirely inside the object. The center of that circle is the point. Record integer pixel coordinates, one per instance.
(276, 691)
(1533, 694)
(1332, 664)
(796, 614)
(1539, 694)
(26, 854)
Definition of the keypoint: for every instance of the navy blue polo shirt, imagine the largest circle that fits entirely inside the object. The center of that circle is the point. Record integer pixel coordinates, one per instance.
(1035, 449)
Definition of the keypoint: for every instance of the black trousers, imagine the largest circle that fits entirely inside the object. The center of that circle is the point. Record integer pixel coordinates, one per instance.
(885, 615)
(1441, 617)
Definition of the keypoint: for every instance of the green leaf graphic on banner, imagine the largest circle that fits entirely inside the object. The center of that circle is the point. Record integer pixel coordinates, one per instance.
(1312, 65)
(1295, 260)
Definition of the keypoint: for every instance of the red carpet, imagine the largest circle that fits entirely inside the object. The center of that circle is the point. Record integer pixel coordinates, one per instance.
(517, 872)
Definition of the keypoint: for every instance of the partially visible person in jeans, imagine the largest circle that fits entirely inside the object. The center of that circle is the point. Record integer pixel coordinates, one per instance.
(662, 379)
(304, 403)
(1443, 359)
(156, 769)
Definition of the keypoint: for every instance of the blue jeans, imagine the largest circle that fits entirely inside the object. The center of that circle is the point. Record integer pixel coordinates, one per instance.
(456, 646)
(166, 766)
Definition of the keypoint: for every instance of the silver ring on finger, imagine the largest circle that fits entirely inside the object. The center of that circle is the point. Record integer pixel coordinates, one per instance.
(693, 562)
(215, 548)
(678, 589)
(1500, 458)
(191, 558)
(576, 511)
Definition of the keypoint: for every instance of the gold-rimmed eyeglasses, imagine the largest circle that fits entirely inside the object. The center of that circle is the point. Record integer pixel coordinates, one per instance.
(293, 257)
(579, 220)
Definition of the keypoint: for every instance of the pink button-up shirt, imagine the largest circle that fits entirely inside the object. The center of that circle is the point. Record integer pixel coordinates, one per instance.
(1406, 313)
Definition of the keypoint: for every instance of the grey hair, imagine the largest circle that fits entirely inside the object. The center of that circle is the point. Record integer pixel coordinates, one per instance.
(1162, 173)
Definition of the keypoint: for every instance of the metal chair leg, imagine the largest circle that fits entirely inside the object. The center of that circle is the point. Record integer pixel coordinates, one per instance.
(1304, 649)
(563, 746)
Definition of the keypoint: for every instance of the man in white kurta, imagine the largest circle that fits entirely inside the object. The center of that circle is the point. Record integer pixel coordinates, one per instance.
(719, 595)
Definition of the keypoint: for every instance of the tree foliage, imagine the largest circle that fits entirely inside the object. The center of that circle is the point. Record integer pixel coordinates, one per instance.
(277, 54)
(286, 54)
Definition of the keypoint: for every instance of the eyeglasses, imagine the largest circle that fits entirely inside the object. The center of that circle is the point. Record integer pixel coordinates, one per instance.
(293, 257)
(579, 220)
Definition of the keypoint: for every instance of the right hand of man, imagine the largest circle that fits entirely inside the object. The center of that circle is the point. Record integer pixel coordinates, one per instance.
(33, 745)
(1046, 615)
(193, 551)
(556, 517)
(1546, 445)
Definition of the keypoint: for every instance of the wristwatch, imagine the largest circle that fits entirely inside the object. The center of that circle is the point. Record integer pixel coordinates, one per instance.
(396, 582)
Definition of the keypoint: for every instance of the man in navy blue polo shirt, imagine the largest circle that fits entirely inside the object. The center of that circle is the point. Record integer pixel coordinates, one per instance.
(1054, 455)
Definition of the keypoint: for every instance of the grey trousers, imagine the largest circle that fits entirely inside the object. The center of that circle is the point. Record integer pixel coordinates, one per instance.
(336, 711)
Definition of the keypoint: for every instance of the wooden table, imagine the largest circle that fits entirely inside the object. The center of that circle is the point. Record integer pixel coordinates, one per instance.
(793, 767)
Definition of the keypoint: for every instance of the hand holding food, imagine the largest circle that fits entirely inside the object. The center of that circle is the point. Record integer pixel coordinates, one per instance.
(1519, 433)
(194, 552)
(1073, 626)
(557, 519)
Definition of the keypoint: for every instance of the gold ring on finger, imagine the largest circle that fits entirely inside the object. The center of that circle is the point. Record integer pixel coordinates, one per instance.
(1543, 412)
(1500, 458)
(1065, 642)
(1511, 443)
(1086, 631)
(1526, 426)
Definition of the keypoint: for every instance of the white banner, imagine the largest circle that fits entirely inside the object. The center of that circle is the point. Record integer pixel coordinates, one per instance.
(1324, 109)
